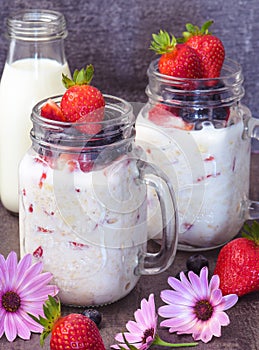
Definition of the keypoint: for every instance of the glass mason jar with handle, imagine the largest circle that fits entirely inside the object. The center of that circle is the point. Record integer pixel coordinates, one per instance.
(83, 206)
(35, 61)
(199, 133)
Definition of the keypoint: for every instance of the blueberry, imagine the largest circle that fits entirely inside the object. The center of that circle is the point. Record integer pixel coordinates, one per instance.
(200, 104)
(196, 262)
(94, 315)
(191, 116)
(221, 113)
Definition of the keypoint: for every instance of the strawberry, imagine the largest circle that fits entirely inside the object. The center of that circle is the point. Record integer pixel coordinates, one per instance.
(166, 116)
(74, 331)
(177, 60)
(238, 263)
(51, 110)
(82, 102)
(208, 47)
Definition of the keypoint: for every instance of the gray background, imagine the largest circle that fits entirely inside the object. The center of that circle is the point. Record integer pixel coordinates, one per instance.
(115, 37)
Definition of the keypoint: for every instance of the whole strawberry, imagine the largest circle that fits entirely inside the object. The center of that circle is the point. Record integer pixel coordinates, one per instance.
(208, 47)
(82, 102)
(74, 331)
(238, 263)
(177, 60)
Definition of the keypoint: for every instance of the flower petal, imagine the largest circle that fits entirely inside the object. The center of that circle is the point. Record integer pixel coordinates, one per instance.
(11, 264)
(215, 326)
(173, 297)
(35, 284)
(216, 297)
(23, 330)
(223, 318)
(229, 300)
(214, 283)
(10, 327)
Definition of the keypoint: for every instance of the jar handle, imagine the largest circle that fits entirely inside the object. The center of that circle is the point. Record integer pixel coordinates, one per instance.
(251, 208)
(252, 128)
(153, 263)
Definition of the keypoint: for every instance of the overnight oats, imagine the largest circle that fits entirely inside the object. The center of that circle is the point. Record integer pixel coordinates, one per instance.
(195, 128)
(83, 203)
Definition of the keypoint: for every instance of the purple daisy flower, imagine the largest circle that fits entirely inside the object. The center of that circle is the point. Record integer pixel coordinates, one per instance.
(196, 307)
(141, 333)
(23, 289)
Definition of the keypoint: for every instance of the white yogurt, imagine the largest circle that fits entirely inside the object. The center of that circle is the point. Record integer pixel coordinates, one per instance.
(209, 169)
(88, 228)
(23, 84)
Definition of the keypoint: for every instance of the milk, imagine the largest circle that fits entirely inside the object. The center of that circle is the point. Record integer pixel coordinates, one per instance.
(23, 84)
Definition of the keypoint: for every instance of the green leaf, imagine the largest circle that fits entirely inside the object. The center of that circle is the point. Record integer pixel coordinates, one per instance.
(251, 232)
(163, 42)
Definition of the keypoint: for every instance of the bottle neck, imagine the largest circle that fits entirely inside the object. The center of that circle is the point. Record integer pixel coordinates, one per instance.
(36, 34)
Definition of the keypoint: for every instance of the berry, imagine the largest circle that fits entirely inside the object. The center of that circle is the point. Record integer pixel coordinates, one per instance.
(51, 110)
(83, 103)
(164, 115)
(74, 331)
(238, 263)
(177, 60)
(208, 47)
(196, 262)
(94, 315)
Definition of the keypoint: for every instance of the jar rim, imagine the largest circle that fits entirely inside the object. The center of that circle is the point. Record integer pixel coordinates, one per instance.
(230, 69)
(111, 102)
(36, 25)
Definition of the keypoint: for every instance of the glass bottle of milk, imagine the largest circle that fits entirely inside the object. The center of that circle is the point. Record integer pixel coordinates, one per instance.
(34, 65)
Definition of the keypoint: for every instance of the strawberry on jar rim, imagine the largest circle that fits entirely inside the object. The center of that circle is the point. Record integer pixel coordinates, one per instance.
(208, 47)
(176, 59)
(83, 103)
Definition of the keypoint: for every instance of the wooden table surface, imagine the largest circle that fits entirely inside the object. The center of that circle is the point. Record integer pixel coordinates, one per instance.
(242, 333)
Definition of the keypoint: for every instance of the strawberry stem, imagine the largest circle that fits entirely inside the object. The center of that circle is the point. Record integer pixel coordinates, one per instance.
(163, 42)
(192, 30)
(80, 77)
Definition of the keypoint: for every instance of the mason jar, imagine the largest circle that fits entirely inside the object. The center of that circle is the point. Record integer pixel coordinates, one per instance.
(83, 206)
(33, 70)
(199, 133)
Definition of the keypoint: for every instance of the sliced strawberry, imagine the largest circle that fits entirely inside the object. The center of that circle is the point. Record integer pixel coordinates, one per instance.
(51, 110)
(74, 162)
(164, 116)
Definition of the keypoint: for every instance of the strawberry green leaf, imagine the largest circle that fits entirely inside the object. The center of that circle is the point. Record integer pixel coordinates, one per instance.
(163, 42)
(251, 232)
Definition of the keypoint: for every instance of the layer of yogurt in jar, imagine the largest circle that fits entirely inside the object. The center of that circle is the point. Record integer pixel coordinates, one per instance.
(209, 169)
(88, 227)
(23, 84)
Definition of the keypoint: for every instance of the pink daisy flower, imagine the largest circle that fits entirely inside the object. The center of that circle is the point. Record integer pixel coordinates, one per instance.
(142, 333)
(23, 289)
(196, 307)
